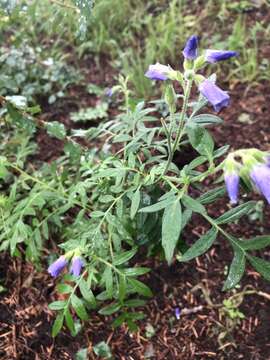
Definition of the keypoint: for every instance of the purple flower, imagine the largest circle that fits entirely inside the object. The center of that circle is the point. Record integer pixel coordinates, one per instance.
(260, 175)
(109, 92)
(158, 72)
(216, 96)
(232, 186)
(213, 56)
(76, 266)
(267, 160)
(57, 266)
(191, 48)
(177, 313)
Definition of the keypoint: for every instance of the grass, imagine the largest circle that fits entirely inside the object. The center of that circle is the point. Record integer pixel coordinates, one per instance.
(133, 34)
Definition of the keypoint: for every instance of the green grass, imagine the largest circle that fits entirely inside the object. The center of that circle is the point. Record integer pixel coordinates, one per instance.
(133, 34)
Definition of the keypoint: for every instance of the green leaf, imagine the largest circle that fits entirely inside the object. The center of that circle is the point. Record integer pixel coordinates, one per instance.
(122, 138)
(206, 119)
(221, 151)
(137, 271)
(57, 305)
(57, 325)
(113, 172)
(69, 320)
(237, 269)
(81, 355)
(200, 246)
(90, 113)
(260, 265)
(132, 326)
(257, 243)
(135, 203)
(97, 214)
(236, 213)
(158, 206)
(110, 309)
(212, 195)
(105, 199)
(64, 288)
(119, 320)
(200, 139)
(103, 350)
(87, 293)
(186, 216)
(79, 308)
(108, 278)
(122, 285)
(171, 228)
(193, 204)
(124, 257)
(56, 129)
(140, 287)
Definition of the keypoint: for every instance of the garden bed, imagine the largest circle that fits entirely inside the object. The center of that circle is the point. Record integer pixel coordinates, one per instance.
(204, 328)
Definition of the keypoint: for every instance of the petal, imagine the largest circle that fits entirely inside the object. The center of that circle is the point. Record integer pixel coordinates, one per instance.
(232, 186)
(260, 175)
(57, 266)
(76, 266)
(216, 96)
(191, 48)
(213, 56)
(157, 72)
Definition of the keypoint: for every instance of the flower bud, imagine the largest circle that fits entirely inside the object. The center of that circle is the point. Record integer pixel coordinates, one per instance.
(57, 266)
(190, 51)
(199, 62)
(170, 98)
(231, 177)
(76, 265)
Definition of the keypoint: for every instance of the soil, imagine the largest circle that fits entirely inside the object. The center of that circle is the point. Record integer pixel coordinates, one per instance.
(203, 331)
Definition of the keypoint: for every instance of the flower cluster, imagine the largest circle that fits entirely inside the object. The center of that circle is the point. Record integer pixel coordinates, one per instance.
(254, 169)
(216, 96)
(57, 266)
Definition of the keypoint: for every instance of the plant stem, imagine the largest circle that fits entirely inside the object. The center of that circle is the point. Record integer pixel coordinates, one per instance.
(182, 115)
(180, 131)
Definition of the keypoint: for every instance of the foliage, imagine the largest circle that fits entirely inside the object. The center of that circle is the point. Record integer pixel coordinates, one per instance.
(109, 207)
(88, 114)
(25, 71)
(115, 205)
(152, 31)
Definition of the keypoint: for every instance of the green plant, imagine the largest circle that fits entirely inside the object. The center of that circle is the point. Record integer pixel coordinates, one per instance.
(90, 114)
(110, 207)
(26, 71)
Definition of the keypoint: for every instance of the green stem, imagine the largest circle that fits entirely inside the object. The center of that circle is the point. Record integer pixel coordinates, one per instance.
(182, 116)
(180, 131)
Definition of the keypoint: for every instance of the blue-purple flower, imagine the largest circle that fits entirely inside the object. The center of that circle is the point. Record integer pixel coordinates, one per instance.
(177, 313)
(260, 175)
(109, 92)
(213, 56)
(158, 72)
(57, 266)
(76, 265)
(190, 51)
(232, 185)
(267, 160)
(216, 96)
